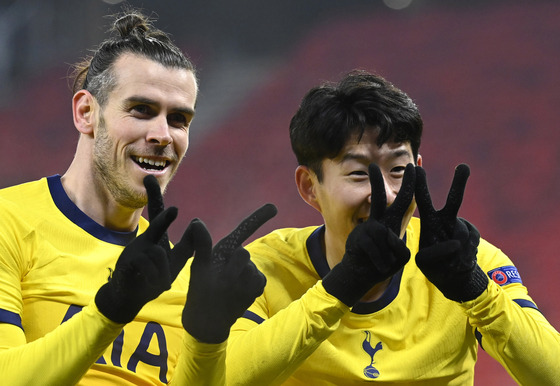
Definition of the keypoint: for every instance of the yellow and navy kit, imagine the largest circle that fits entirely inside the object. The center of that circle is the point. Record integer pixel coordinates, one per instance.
(53, 259)
(298, 334)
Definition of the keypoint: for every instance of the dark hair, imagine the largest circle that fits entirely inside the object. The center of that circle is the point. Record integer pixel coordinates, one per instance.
(134, 33)
(330, 114)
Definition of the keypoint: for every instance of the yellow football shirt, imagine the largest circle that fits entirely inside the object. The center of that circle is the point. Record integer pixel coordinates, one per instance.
(297, 334)
(53, 259)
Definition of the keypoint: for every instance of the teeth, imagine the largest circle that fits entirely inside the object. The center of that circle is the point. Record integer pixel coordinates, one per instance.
(143, 160)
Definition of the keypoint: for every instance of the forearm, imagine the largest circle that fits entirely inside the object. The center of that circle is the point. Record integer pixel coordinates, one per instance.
(64, 355)
(520, 339)
(270, 352)
(200, 363)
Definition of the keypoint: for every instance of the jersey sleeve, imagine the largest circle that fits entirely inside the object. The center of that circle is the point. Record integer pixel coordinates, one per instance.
(65, 354)
(59, 357)
(200, 363)
(510, 327)
(268, 353)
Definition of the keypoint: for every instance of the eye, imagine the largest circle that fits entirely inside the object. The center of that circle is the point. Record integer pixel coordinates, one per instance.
(359, 176)
(398, 171)
(178, 120)
(142, 111)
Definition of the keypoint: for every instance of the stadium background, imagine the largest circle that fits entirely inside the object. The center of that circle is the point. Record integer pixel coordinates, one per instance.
(485, 75)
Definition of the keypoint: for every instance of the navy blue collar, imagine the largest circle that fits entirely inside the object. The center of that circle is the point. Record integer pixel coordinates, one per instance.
(74, 214)
(319, 261)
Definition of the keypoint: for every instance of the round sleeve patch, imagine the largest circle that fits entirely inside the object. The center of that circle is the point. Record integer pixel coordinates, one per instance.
(505, 275)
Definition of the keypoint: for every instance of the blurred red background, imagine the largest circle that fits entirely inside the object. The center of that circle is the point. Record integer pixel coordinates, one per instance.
(487, 84)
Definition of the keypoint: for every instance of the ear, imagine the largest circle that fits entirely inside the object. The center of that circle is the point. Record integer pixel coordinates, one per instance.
(419, 160)
(305, 182)
(83, 108)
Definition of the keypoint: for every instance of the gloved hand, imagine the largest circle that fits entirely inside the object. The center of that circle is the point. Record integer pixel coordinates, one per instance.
(374, 251)
(183, 250)
(224, 282)
(145, 268)
(448, 245)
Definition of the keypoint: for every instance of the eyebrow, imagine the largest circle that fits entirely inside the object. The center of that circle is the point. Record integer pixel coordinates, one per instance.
(365, 159)
(147, 101)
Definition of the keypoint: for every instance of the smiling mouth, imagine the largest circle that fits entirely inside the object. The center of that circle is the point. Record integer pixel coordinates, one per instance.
(150, 164)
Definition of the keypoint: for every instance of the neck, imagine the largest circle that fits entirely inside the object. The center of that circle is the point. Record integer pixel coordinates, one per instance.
(94, 200)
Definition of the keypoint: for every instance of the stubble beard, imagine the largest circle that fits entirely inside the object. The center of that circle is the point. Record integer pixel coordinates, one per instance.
(106, 171)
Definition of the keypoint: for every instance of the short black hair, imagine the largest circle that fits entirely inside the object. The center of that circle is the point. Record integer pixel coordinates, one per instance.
(331, 113)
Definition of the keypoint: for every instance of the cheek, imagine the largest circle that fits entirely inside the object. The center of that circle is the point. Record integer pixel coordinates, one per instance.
(181, 142)
(350, 199)
(394, 186)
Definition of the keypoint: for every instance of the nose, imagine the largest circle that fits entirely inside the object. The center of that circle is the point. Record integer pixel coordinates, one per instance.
(390, 193)
(159, 132)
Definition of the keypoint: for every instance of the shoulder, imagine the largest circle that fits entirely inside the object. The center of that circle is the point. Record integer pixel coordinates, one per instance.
(19, 203)
(281, 244)
(283, 238)
(24, 195)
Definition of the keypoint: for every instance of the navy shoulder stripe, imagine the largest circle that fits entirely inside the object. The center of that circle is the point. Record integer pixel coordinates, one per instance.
(10, 318)
(252, 316)
(522, 303)
(478, 337)
(526, 303)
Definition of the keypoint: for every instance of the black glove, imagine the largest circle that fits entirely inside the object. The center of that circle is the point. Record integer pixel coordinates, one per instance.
(374, 251)
(224, 281)
(183, 250)
(141, 273)
(448, 245)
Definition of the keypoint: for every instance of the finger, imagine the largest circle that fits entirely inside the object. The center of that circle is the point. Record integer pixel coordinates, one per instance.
(438, 254)
(399, 250)
(155, 204)
(378, 195)
(474, 234)
(155, 199)
(255, 281)
(394, 214)
(182, 251)
(157, 228)
(238, 261)
(247, 227)
(457, 191)
(154, 266)
(406, 192)
(423, 199)
(197, 238)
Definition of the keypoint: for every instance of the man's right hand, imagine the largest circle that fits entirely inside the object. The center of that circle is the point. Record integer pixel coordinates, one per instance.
(374, 251)
(141, 273)
(147, 266)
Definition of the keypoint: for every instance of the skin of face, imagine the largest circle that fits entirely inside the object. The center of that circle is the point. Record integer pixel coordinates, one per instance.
(343, 197)
(142, 129)
(146, 121)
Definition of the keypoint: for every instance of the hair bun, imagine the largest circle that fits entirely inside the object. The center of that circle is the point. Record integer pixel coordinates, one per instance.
(132, 24)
